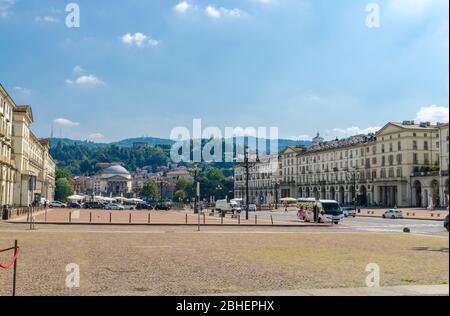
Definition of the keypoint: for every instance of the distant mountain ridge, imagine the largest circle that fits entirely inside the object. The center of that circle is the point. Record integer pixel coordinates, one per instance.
(154, 141)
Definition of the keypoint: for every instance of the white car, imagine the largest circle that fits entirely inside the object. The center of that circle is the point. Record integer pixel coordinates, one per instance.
(393, 214)
(252, 208)
(57, 204)
(115, 207)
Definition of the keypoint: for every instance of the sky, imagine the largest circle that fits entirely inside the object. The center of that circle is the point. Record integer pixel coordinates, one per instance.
(142, 68)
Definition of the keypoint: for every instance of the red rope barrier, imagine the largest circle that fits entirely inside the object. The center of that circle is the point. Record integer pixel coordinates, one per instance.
(10, 264)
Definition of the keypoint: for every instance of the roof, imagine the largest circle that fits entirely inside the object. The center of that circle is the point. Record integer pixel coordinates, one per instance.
(26, 109)
(116, 170)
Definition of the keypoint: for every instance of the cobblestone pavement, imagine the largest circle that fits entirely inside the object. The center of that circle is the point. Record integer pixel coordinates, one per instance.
(141, 260)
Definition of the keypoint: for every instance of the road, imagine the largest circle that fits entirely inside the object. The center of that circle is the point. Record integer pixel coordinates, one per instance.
(370, 224)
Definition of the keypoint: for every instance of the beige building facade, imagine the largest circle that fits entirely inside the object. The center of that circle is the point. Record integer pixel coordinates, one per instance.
(404, 165)
(7, 164)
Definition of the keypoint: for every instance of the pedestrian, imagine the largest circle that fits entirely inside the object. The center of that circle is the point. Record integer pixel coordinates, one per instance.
(45, 204)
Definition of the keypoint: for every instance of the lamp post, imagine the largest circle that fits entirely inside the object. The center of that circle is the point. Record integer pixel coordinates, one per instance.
(247, 165)
(353, 176)
(195, 173)
(276, 186)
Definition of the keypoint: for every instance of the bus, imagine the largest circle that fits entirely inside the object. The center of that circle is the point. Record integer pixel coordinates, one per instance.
(329, 210)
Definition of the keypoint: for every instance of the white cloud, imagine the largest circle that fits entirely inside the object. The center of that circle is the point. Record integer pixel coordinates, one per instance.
(86, 80)
(303, 137)
(182, 7)
(140, 40)
(22, 90)
(353, 131)
(414, 8)
(217, 13)
(45, 19)
(5, 5)
(433, 114)
(96, 136)
(65, 122)
(78, 69)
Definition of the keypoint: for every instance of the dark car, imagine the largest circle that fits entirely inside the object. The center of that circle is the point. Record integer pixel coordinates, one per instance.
(74, 205)
(143, 206)
(94, 205)
(446, 222)
(162, 207)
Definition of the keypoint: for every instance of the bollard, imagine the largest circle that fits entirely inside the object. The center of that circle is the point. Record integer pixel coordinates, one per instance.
(204, 219)
(149, 218)
(15, 268)
(90, 217)
(239, 220)
(271, 219)
(221, 219)
(110, 217)
(186, 219)
(70, 217)
(46, 215)
(130, 218)
(256, 220)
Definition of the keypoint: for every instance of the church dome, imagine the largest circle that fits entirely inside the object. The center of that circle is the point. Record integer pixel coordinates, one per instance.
(115, 170)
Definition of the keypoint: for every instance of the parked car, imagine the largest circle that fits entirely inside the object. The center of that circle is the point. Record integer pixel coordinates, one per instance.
(143, 206)
(394, 214)
(349, 211)
(94, 205)
(57, 204)
(114, 207)
(162, 207)
(74, 205)
(446, 222)
(252, 208)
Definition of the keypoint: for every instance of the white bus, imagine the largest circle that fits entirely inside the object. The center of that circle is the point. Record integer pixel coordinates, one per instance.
(329, 210)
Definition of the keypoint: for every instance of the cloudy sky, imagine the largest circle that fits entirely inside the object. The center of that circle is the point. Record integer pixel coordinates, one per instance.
(138, 67)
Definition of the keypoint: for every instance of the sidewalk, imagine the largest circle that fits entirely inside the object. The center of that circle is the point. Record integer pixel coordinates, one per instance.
(407, 290)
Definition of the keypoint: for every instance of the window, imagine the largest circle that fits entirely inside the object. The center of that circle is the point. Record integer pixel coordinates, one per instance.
(399, 172)
(425, 145)
(426, 159)
(399, 159)
(414, 144)
(391, 147)
(399, 146)
(383, 161)
(415, 159)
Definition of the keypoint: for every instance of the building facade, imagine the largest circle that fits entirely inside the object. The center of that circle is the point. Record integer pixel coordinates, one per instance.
(264, 181)
(35, 168)
(7, 164)
(403, 164)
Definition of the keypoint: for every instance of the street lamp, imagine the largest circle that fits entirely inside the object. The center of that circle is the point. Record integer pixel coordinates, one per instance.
(247, 165)
(276, 185)
(195, 172)
(353, 176)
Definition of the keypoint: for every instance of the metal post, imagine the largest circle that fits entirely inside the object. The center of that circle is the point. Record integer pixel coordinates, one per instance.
(239, 219)
(15, 269)
(90, 217)
(130, 218)
(70, 216)
(247, 175)
(256, 220)
(110, 217)
(204, 219)
(271, 219)
(149, 218)
(186, 219)
(221, 218)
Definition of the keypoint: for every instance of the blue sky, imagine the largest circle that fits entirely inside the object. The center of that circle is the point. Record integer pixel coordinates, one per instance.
(139, 67)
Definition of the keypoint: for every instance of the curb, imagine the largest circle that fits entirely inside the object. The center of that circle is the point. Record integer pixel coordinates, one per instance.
(411, 218)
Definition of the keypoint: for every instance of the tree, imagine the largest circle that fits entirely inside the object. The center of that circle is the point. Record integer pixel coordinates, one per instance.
(149, 191)
(180, 195)
(63, 189)
(63, 173)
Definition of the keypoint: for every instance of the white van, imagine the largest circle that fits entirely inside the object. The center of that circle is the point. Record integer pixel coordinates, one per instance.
(329, 211)
(225, 206)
